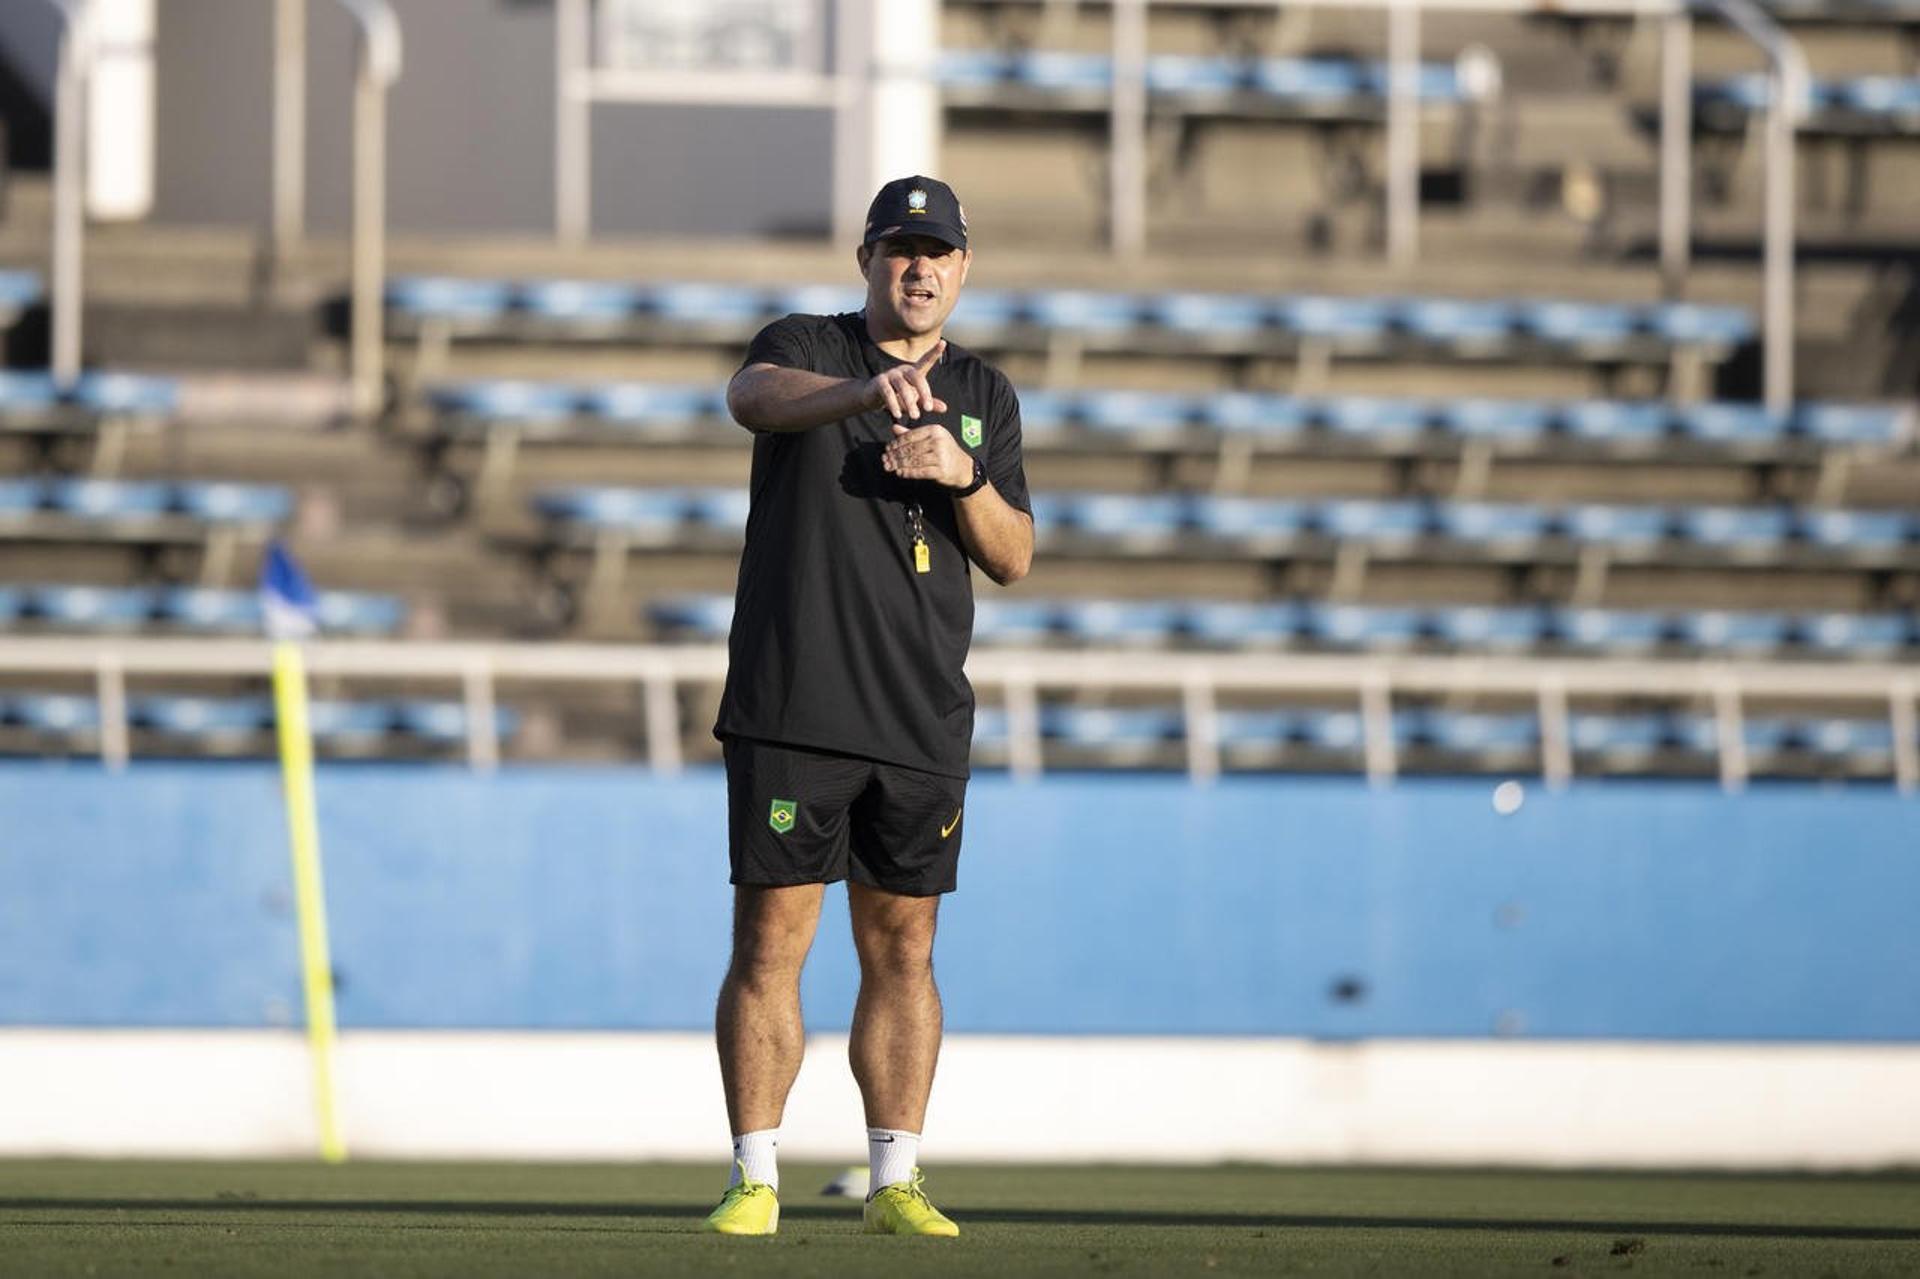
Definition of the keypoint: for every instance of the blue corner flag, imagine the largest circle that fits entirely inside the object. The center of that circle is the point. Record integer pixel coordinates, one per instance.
(288, 604)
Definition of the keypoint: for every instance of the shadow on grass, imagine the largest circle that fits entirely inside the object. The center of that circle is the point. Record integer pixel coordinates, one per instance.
(1003, 1216)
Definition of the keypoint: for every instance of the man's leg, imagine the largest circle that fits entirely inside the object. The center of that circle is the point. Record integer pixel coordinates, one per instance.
(896, 1020)
(757, 1020)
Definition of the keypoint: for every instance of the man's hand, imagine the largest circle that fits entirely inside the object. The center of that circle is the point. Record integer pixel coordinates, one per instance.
(904, 390)
(928, 453)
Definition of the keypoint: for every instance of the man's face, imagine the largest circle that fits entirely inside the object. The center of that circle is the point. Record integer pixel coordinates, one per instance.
(913, 281)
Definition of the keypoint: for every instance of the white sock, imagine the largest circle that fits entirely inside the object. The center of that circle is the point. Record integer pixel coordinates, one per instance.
(892, 1155)
(759, 1153)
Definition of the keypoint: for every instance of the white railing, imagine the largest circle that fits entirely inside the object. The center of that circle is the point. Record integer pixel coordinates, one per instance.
(69, 185)
(1198, 680)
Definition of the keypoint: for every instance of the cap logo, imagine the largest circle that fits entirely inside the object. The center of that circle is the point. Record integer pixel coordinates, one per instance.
(916, 201)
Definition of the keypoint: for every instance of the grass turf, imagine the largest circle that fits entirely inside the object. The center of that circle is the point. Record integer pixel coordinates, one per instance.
(407, 1219)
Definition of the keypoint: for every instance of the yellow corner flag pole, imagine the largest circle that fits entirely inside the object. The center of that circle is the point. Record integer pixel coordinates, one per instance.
(303, 826)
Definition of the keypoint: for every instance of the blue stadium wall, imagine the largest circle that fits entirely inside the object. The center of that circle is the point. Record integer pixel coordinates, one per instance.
(595, 898)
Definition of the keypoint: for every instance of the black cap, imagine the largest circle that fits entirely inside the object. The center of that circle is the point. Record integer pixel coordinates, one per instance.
(917, 206)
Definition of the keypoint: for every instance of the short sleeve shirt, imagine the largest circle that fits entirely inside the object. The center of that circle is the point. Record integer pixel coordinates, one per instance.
(838, 642)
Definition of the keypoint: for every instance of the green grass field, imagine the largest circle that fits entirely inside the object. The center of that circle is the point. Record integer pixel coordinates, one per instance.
(390, 1219)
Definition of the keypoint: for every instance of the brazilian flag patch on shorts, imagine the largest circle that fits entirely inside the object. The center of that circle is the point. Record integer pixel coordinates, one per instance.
(780, 816)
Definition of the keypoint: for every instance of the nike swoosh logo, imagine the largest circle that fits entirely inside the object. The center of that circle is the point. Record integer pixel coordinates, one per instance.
(948, 828)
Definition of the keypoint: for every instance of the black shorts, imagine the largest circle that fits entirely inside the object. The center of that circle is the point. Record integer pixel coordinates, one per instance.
(800, 816)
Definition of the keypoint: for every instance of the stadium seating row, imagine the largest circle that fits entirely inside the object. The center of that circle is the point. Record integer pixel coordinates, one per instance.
(1049, 417)
(28, 397)
(1164, 524)
(197, 610)
(1024, 79)
(1165, 623)
(1133, 734)
(335, 724)
(1182, 321)
(1859, 105)
(135, 501)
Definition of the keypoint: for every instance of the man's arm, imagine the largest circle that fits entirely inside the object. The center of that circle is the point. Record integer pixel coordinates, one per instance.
(998, 535)
(770, 397)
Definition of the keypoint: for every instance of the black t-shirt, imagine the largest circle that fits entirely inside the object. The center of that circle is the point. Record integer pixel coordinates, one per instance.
(837, 642)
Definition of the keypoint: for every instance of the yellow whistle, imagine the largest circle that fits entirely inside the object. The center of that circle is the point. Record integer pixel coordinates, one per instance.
(922, 558)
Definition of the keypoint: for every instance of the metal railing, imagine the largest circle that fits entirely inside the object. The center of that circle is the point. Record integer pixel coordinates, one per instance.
(377, 66)
(1198, 680)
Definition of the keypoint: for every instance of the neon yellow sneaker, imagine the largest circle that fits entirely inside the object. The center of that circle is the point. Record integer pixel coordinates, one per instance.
(904, 1209)
(748, 1208)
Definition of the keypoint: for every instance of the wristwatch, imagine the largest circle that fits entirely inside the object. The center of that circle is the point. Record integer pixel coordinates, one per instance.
(979, 480)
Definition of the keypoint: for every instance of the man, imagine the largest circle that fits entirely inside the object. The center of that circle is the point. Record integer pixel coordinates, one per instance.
(886, 461)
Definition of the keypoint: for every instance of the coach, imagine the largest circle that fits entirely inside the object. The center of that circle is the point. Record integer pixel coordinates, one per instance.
(886, 464)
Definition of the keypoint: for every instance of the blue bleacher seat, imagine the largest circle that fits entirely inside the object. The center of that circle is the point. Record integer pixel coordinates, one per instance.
(1865, 424)
(357, 724)
(990, 728)
(1858, 530)
(1475, 732)
(1046, 415)
(13, 601)
(653, 404)
(973, 68)
(20, 289)
(1335, 318)
(1857, 634)
(1269, 419)
(1377, 419)
(1137, 414)
(1683, 322)
(201, 716)
(54, 713)
(652, 510)
(1188, 75)
(726, 305)
(1364, 626)
(1152, 519)
(1620, 736)
(126, 393)
(1620, 527)
(1721, 631)
(1615, 422)
(1012, 622)
(707, 617)
(359, 613)
(233, 503)
(820, 299)
(1225, 624)
(503, 400)
(1127, 728)
(982, 314)
(1047, 69)
(720, 509)
(1376, 522)
(89, 607)
(1605, 630)
(1729, 423)
(21, 497)
(24, 392)
(1241, 730)
(1310, 79)
(1129, 623)
(1209, 315)
(1457, 321)
(1252, 524)
(449, 297)
(108, 499)
(445, 723)
(1505, 421)
(1878, 95)
(1575, 324)
(1328, 730)
(1474, 627)
(1491, 524)
(1083, 311)
(1740, 530)
(583, 301)
(1867, 742)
